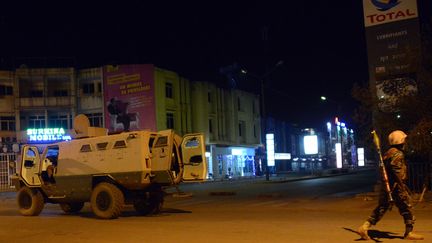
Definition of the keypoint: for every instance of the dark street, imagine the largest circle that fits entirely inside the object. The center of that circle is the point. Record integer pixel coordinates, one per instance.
(310, 210)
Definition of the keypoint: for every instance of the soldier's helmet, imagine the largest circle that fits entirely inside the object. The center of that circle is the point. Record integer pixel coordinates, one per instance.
(397, 137)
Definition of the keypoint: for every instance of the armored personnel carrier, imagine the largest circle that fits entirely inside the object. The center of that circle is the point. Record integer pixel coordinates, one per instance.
(108, 171)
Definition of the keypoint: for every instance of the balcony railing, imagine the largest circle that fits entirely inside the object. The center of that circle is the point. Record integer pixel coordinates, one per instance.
(50, 101)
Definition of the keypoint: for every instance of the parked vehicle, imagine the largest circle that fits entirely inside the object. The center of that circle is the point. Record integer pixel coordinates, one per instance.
(108, 171)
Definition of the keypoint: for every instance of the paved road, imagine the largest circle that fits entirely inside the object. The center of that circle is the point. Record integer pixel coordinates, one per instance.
(318, 210)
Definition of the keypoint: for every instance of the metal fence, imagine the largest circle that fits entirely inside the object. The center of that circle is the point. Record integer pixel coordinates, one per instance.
(419, 176)
(6, 170)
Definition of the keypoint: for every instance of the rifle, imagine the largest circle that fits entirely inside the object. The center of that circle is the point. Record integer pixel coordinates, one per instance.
(382, 166)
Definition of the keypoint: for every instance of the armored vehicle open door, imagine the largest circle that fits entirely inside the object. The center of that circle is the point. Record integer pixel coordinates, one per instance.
(30, 166)
(193, 157)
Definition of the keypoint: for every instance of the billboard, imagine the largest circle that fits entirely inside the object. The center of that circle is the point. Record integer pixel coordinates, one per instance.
(310, 144)
(129, 97)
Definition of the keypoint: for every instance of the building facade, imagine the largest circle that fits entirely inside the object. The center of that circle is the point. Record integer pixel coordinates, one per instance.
(44, 98)
(231, 121)
(90, 95)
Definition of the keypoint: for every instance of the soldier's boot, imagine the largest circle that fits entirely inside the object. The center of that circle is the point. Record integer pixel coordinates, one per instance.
(409, 235)
(413, 236)
(363, 230)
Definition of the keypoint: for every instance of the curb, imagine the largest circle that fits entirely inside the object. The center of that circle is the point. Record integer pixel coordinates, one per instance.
(283, 179)
(310, 177)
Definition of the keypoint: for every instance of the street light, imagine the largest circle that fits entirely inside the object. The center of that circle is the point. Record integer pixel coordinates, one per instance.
(262, 79)
(338, 105)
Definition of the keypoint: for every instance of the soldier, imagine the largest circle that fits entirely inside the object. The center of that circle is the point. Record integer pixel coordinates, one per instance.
(396, 167)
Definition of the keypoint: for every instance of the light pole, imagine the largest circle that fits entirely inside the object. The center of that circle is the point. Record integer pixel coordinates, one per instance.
(262, 79)
(338, 105)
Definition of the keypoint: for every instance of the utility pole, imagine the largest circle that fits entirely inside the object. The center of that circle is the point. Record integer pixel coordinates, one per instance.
(264, 129)
(262, 80)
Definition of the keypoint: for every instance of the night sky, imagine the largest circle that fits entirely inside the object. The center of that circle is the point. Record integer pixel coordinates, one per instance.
(322, 44)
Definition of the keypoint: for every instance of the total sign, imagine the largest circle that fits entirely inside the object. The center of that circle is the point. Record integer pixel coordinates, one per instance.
(385, 11)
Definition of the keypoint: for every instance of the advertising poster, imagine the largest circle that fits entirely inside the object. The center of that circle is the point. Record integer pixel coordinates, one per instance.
(129, 97)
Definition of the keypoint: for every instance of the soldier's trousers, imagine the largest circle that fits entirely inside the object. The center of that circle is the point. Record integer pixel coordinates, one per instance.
(402, 202)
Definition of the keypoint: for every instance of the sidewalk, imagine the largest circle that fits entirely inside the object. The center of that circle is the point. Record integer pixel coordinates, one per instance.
(296, 176)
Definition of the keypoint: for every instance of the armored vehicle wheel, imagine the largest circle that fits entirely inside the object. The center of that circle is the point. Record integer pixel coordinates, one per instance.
(151, 205)
(30, 201)
(72, 207)
(107, 201)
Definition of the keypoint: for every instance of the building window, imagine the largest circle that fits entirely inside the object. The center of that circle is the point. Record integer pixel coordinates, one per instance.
(6, 90)
(241, 129)
(58, 121)
(255, 135)
(168, 90)
(209, 97)
(36, 122)
(238, 104)
(88, 88)
(99, 87)
(170, 120)
(95, 119)
(7, 123)
(210, 126)
(60, 93)
(36, 93)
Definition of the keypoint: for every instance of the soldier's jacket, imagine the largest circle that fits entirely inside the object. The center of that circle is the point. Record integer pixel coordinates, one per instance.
(396, 165)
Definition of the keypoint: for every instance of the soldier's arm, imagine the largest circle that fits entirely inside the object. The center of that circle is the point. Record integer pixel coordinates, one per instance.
(397, 167)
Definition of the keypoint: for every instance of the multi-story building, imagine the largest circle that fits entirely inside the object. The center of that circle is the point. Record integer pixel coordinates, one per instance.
(231, 121)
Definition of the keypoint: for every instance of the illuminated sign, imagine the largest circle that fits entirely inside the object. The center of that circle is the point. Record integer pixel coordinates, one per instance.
(236, 152)
(47, 135)
(338, 147)
(310, 144)
(282, 156)
(270, 149)
(360, 154)
(379, 12)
